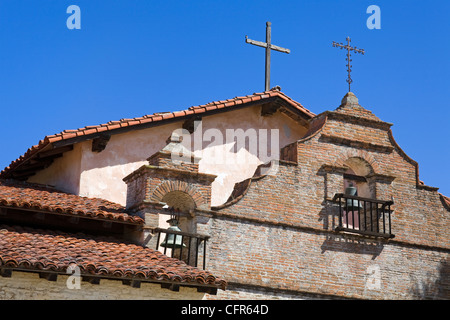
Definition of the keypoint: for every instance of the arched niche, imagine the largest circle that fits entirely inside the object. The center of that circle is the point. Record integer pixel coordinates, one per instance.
(357, 175)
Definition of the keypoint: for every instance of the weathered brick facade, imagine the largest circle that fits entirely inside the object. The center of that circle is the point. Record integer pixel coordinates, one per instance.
(285, 232)
(276, 236)
(280, 233)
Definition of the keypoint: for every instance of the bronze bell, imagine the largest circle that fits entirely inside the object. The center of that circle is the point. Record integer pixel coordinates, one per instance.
(173, 240)
(352, 204)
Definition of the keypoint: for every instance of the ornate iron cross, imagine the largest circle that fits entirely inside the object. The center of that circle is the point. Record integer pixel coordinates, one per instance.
(348, 59)
(269, 46)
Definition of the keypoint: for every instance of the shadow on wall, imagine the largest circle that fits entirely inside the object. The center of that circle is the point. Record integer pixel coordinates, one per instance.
(341, 243)
(329, 216)
(434, 288)
(345, 243)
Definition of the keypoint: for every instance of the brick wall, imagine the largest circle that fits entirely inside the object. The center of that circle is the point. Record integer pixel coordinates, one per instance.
(151, 183)
(288, 259)
(279, 237)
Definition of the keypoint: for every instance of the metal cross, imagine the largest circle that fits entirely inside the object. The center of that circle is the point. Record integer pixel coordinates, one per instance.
(269, 46)
(348, 59)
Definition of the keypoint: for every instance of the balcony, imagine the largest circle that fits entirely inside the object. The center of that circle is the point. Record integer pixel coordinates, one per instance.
(365, 216)
(188, 247)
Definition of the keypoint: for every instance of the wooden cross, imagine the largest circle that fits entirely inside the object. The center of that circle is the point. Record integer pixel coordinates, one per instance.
(348, 59)
(269, 46)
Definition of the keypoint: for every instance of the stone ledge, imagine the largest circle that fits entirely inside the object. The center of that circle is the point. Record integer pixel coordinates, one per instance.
(357, 143)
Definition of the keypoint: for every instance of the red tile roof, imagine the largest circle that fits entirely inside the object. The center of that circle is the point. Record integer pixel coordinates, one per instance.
(156, 117)
(29, 249)
(222, 104)
(26, 195)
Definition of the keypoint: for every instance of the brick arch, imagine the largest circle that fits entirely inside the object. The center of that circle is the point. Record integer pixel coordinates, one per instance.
(362, 154)
(170, 186)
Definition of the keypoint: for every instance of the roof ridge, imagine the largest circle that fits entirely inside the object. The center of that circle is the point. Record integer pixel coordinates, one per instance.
(159, 116)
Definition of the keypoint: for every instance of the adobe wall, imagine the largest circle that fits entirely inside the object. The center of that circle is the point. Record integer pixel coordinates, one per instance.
(28, 286)
(100, 174)
(64, 173)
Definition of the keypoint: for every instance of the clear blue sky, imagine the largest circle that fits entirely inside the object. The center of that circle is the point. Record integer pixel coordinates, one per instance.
(137, 57)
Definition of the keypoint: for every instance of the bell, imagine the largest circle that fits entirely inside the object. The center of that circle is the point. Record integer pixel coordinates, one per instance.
(352, 204)
(173, 240)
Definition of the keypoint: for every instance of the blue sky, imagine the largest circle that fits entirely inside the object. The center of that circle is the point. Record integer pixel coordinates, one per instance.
(137, 57)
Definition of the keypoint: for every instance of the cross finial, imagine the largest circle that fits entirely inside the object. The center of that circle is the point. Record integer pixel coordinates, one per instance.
(269, 46)
(348, 59)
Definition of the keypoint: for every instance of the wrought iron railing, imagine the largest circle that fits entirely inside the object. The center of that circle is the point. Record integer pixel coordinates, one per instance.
(188, 247)
(364, 215)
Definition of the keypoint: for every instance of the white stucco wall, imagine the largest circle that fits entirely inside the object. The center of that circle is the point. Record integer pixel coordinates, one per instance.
(92, 174)
(64, 172)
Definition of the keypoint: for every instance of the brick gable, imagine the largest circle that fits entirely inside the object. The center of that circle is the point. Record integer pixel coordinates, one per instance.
(279, 231)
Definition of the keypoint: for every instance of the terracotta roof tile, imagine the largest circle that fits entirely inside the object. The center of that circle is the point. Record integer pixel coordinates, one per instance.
(39, 197)
(90, 131)
(133, 122)
(46, 250)
(179, 114)
(102, 128)
(211, 107)
(112, 125)
(152, 119)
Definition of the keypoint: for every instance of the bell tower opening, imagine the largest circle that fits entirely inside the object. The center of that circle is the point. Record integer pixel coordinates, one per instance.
(179, 200)
(356, 184)
(178, 216)
(182, 204)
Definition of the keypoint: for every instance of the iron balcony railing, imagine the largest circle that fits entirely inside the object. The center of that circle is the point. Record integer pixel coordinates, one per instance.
(188, 247)
(364, 215)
